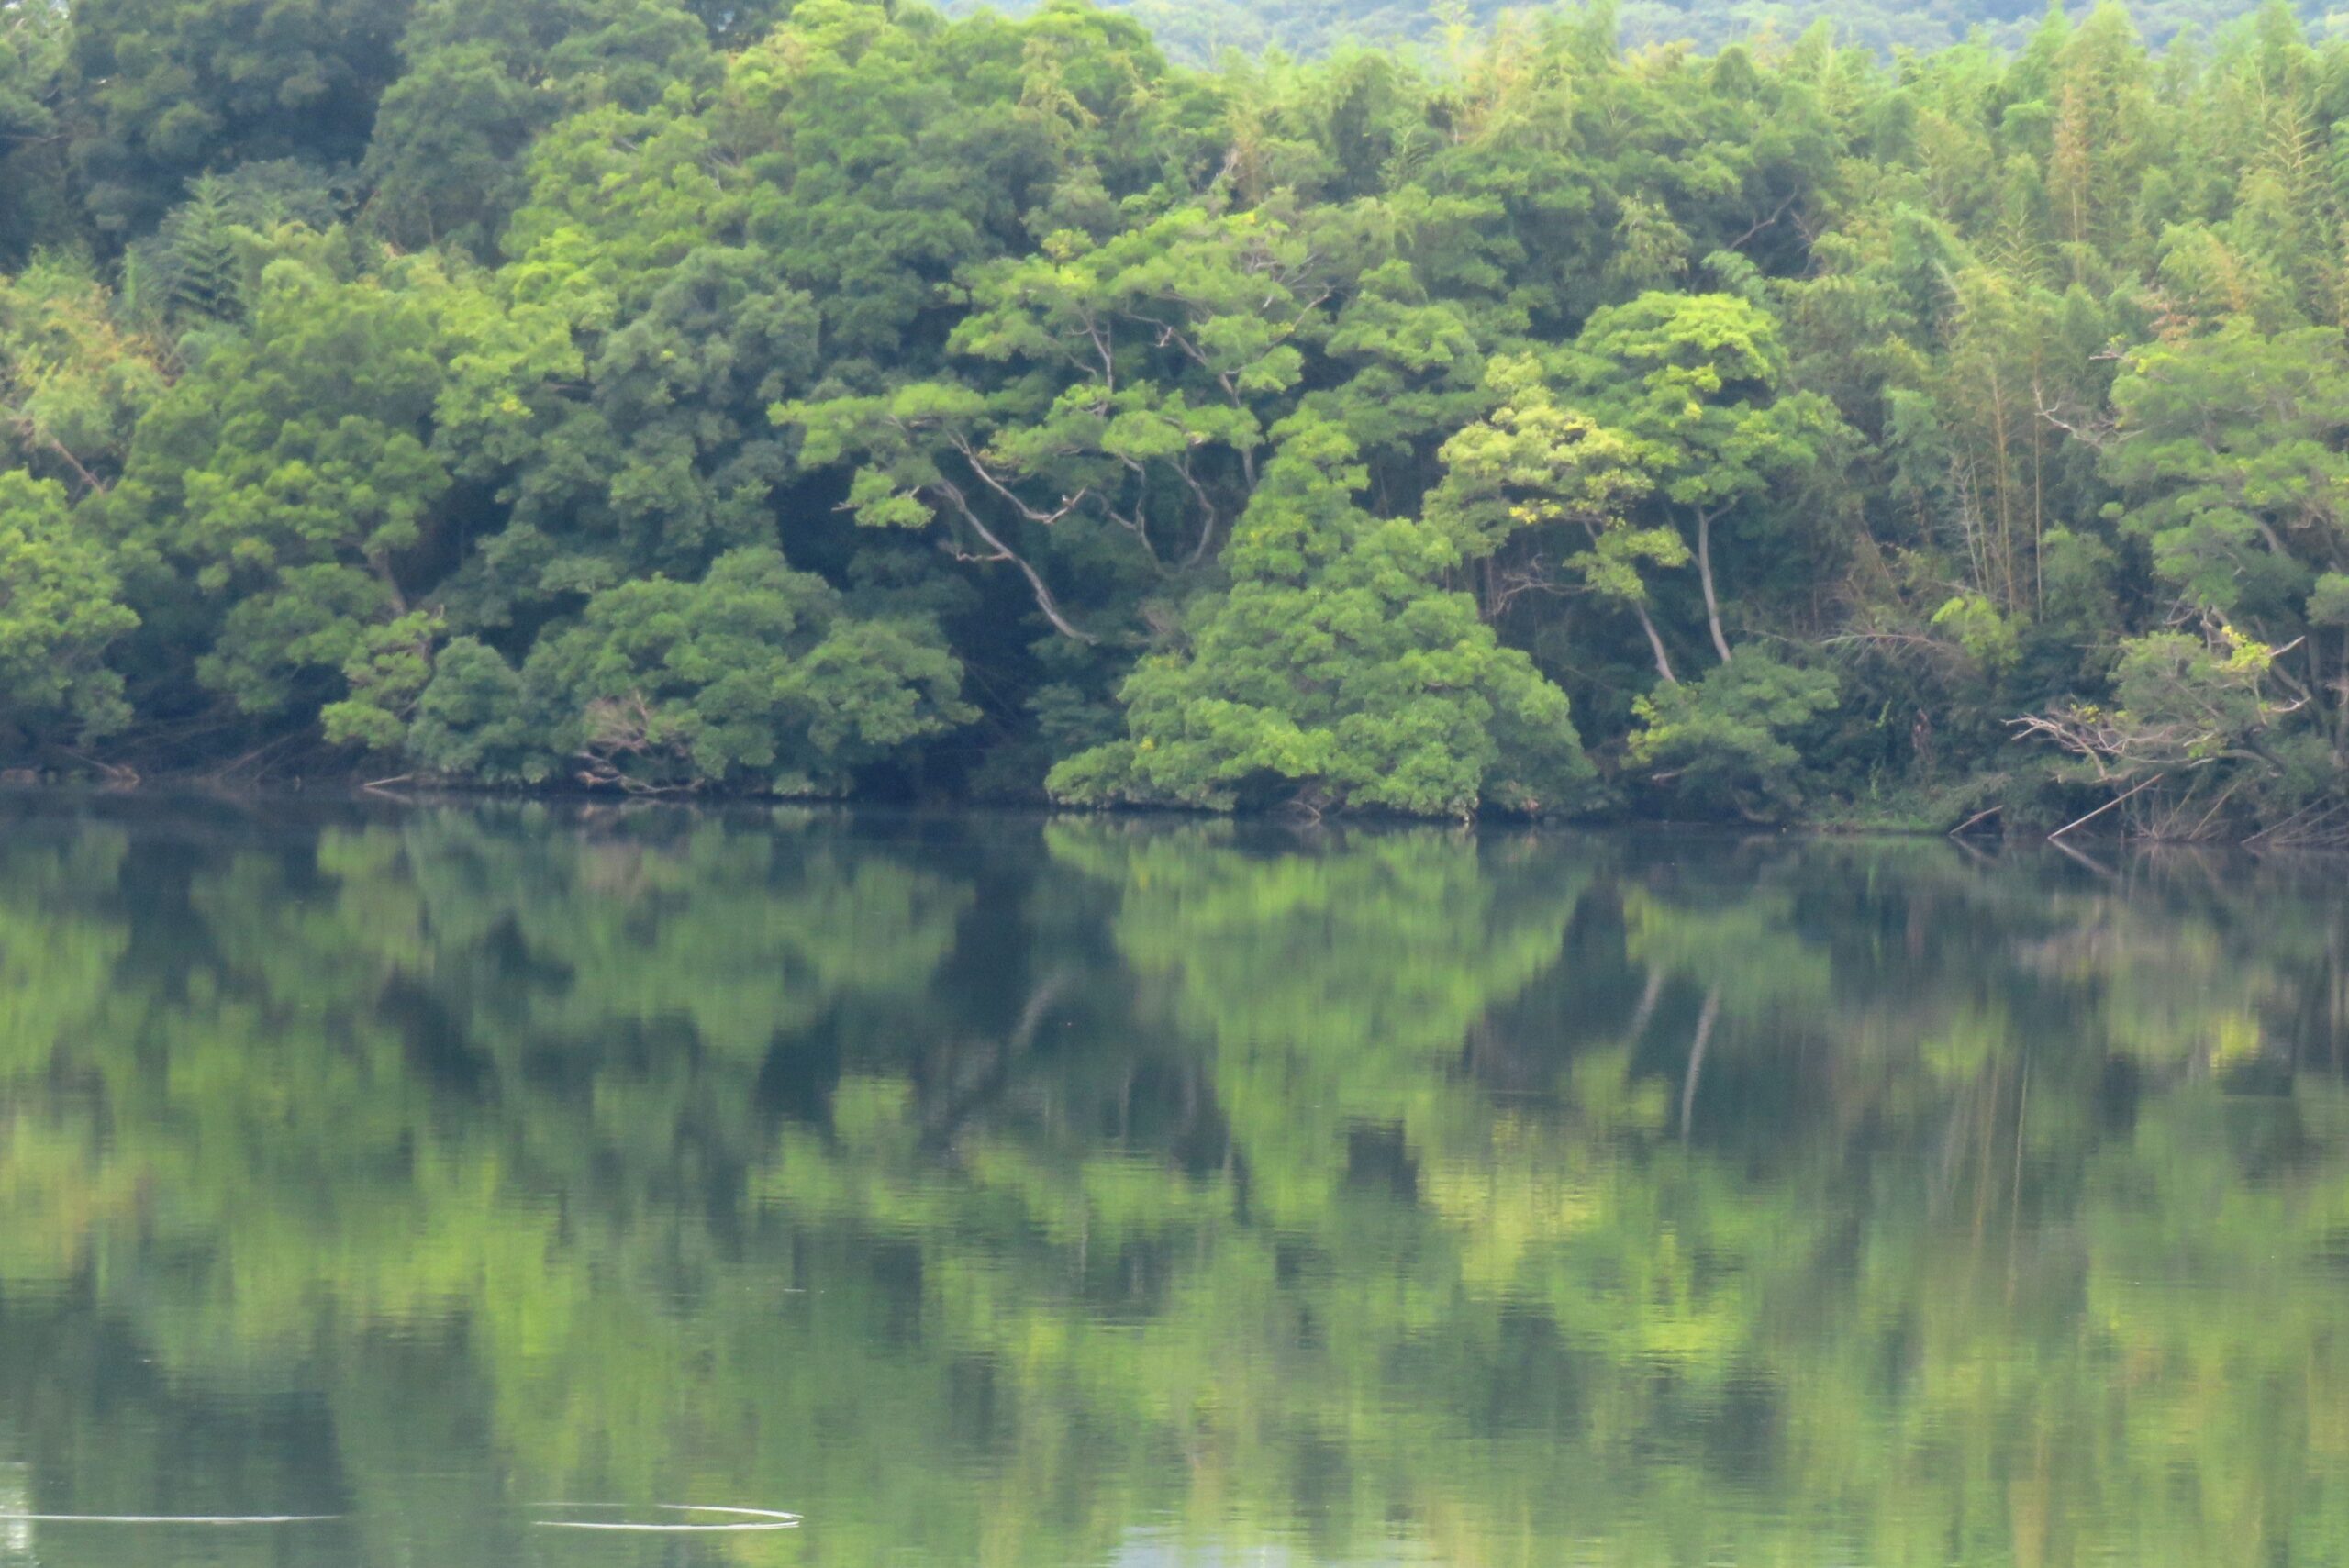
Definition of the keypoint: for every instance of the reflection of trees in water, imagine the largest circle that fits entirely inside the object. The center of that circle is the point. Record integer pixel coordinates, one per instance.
(1000, 1186)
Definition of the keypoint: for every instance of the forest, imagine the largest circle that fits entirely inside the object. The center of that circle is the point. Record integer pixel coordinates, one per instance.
(1198, 32)
(834, 397)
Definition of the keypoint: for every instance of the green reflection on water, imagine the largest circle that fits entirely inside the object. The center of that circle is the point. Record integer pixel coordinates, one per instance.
(999, 1193)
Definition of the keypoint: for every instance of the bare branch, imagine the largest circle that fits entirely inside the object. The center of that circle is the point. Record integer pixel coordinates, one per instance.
(1036, 584)
(1761, 224)
(1046, 519)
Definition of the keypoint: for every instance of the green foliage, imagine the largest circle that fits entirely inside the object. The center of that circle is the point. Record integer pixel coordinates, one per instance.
(61, 607)
(1726, 740)
(388, 672)
(632, 442)
(1988, 636)
(757, 673)
(2191, 703)
(38, 206)
(1534, 464)
(178, 88)
(1934, 385)
(2232, 455)
(887, 157)
(480, 83)
(1698, 379)
(1336, 673)
(755, 676)
(275, 494)
(471, 719)
(75, 381)
(2193, 727)
(201, 266)
(33, 47)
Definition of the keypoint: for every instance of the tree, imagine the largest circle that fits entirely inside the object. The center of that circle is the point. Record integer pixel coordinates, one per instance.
(1336, 673)
(278, 496)
(60, 608)
(178, 88)
(626, 444)
(74, 380)
(2191, 721)
(1161, 347)
(1531, 464)
(2228, 448)
(37, 204)
(755, 675)
(479, 83)
(1765, 347)
(1146, 366)
(1724, 741)
(886, 155)
(1702, 379)
(202, 266)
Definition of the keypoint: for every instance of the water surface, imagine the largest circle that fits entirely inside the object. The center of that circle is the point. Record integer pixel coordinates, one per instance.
(999, 1192)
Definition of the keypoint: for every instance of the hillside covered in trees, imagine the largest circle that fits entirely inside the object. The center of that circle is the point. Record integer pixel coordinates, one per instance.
(670, 394)
(1197, 32)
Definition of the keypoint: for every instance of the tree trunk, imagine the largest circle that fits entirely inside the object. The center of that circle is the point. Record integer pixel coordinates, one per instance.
(1655, 644)
(2341, 703)
(1705, 575)
(1035, 585)
(382, 566)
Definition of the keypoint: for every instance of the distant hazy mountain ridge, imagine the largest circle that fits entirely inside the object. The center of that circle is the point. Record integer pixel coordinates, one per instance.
(1198, 30)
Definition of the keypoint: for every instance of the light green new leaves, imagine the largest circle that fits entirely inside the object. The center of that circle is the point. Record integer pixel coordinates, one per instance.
(2232, 456)
(1337, 671)
(59, 608)
(75, 380)
(1702, 378)
(1533, 462)
(290, 473)
(618, 197)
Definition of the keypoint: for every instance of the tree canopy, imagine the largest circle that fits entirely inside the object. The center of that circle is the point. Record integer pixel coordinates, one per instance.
(847, 396)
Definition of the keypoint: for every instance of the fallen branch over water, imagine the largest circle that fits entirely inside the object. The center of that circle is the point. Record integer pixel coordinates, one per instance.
(2108, 806)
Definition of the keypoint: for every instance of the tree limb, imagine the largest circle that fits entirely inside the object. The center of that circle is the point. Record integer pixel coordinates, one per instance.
(1045, 600)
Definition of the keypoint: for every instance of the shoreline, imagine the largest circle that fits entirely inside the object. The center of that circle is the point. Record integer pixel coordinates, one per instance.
(595, 803)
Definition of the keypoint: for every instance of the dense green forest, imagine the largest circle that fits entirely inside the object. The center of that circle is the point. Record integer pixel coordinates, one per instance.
(667, 394)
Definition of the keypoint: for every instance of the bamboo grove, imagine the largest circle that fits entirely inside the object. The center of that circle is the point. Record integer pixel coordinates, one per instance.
(840, 398)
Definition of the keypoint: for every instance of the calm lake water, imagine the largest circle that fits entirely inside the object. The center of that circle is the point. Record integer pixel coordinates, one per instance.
(999, 1192)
